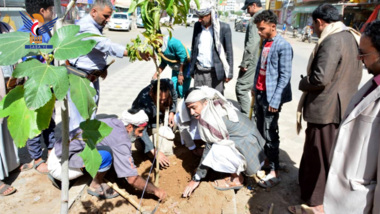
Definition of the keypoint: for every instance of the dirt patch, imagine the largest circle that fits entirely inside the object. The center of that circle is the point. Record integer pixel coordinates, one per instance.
(205, 199)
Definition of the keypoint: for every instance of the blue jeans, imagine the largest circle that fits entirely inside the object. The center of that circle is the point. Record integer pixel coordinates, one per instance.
(267, 124)
(34, 145)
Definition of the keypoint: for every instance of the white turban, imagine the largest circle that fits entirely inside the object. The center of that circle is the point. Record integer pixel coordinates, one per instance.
(138, 119)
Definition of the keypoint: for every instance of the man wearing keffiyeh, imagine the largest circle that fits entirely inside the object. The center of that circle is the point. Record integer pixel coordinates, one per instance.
(232, 145)
(211, 54)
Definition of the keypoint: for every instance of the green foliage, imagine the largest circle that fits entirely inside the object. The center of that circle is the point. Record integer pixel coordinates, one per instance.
(68, 46)
(94, 131)
(151, 12)
(12, 47)
(82, 95)
(29, 108)
(41, 78)
(24, 123)
(239, 13)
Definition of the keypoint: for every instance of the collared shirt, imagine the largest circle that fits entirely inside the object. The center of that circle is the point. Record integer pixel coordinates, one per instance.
(375, 84)
(205, 45)
(97, 58)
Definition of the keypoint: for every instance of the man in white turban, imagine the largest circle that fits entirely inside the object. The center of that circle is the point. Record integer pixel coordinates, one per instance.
(233, 145)
(115, 150)
(211, 53)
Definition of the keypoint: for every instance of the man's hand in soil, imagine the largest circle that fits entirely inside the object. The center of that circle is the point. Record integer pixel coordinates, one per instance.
(190, 188)
(139, 183)
(160, 193)
(162, 159)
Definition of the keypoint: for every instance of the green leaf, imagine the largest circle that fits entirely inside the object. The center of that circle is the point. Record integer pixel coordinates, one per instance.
(68, 45)
(82, 94)
(22, 122)
(12, 47)
(94, 131)
(41, 78)
(92, 160)
(132, 7)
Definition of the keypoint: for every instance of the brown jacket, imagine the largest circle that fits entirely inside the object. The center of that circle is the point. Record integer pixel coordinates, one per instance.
(334, 79)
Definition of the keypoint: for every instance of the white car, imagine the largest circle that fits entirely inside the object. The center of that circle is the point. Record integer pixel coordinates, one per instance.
(191, 19)
(120, 21)
(166, 20)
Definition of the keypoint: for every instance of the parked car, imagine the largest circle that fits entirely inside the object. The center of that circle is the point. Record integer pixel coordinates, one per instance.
(166, 20)
(242, 25)
(120, 21)
(139, 21)
(191, 19)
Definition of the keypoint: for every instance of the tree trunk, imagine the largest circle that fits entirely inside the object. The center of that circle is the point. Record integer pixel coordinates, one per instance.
(65, 159)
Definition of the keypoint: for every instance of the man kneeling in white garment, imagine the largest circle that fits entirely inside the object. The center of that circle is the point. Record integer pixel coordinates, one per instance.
(233, 144)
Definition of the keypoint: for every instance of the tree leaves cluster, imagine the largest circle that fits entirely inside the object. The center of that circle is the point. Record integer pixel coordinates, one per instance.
(29, 107)
(151, 12)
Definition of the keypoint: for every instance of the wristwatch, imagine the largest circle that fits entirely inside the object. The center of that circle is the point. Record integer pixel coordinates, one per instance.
(180, 73)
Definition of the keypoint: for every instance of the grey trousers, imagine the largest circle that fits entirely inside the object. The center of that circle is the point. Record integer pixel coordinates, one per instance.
(243, 89)
(208, 78)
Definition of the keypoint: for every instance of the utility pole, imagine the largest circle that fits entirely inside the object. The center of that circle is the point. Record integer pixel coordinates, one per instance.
(58, 11)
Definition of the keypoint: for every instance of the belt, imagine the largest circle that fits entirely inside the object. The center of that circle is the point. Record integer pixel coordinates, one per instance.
(201, 68)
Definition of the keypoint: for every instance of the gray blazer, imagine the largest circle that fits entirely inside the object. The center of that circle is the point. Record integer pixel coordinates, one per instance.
(225, 40)
(334, 79)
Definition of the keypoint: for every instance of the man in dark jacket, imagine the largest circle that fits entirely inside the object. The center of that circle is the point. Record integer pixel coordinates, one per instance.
(333, 76)
(211, 52)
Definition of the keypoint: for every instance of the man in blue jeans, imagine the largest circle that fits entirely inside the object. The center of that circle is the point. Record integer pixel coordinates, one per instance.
(44, 8)
(272, 89)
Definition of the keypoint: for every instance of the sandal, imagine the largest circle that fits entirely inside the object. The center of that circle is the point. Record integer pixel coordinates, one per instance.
(269, 181)
(35, 166)
(6, 189)
(226, 184)
(103, 192)
(298, 209)
(26, 166)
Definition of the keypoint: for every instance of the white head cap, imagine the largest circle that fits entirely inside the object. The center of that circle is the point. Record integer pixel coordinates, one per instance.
(138, 119)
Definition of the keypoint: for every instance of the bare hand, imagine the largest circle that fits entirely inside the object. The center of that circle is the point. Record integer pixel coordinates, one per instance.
(271, 109)
(160, 193)
(163, 160)
(154, 77)
(226, 80)
(190, 188)
(180, 79)
(243, 69)
(145, 55)
(171, 119)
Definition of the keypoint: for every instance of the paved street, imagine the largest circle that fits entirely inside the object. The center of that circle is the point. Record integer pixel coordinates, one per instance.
(125, 80)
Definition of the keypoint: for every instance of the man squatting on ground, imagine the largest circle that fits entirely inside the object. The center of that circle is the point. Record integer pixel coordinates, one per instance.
(115, 149)
(232, 145)
(146, 100)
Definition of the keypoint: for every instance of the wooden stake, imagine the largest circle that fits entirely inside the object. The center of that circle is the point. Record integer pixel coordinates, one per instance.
(125, 195)
(271, 208)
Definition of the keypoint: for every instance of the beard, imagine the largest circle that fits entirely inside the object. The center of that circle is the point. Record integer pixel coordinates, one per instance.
(132, 136)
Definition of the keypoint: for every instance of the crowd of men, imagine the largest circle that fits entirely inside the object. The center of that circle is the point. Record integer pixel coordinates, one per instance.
(340, 166)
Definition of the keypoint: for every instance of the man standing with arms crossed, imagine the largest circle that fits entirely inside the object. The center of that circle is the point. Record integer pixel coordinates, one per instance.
(250, 57)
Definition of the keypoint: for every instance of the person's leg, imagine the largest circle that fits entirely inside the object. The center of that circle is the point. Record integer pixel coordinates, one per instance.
(35, 152)
(243, 89)
(98, 187)
(315, 162)
(215, 83)
(48, 135)
(186, 85)
(175, 83)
